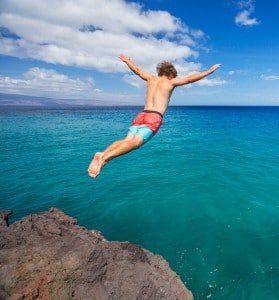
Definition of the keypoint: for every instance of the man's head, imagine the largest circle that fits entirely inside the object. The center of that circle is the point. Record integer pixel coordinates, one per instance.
(166, 69)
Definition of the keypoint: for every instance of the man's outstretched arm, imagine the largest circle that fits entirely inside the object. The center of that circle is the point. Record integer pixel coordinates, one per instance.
(195, 77)
(137, 70)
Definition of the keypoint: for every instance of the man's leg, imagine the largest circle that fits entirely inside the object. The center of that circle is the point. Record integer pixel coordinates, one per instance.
(118, 148)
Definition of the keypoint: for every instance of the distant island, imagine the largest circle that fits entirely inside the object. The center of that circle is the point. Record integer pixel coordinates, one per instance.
(25, 100)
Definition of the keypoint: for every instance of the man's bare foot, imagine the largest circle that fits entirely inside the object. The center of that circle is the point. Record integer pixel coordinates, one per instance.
(96, 165)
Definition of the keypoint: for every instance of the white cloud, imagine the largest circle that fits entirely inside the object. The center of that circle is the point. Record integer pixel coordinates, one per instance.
(270, 77)
(51, 84)
(237, 72)
(243, 18)
(133, 80)
(211, 82)
(48, 83)
(91, 33)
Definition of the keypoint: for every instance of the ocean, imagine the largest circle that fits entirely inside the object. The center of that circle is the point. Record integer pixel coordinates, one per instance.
(203, 193)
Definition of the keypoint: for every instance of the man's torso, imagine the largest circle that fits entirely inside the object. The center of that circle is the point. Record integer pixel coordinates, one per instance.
(159, 90)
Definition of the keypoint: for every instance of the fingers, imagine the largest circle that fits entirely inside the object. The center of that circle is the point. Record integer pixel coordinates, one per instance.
(215, 67)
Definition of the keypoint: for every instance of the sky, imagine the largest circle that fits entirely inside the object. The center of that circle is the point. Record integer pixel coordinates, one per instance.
(69, 49)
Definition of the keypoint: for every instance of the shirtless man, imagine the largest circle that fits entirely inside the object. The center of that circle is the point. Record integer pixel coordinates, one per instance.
(147, 123)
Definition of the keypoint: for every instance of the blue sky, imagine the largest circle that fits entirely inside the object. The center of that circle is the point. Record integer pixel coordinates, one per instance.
(69, 49)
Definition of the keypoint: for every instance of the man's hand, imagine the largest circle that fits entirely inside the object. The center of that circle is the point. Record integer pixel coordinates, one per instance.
(214, 68)
(124, 58)
(137, 70)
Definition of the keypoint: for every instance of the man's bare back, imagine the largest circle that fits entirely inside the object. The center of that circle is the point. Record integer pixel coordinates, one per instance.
(147, 123)
(159, 90)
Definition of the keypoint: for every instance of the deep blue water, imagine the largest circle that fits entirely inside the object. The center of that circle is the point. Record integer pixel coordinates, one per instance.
(203, 193)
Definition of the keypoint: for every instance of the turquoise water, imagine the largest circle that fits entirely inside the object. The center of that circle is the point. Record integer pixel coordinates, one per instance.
(204, 193)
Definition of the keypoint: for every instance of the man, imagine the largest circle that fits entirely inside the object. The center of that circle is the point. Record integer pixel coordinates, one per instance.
(147, 122)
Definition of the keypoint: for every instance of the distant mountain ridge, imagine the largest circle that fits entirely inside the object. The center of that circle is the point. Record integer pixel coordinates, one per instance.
(25, 100)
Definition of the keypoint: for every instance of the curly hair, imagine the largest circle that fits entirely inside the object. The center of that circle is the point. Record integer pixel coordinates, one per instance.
(167, 69)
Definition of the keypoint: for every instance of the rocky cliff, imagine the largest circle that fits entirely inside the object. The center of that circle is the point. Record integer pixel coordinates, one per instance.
(49, 256)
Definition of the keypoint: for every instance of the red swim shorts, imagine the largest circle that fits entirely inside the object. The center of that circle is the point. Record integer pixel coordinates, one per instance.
(146, 124)
(152, 119)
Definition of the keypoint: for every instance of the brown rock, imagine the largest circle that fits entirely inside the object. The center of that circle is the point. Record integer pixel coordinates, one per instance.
(49, 256)
(4, 217)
